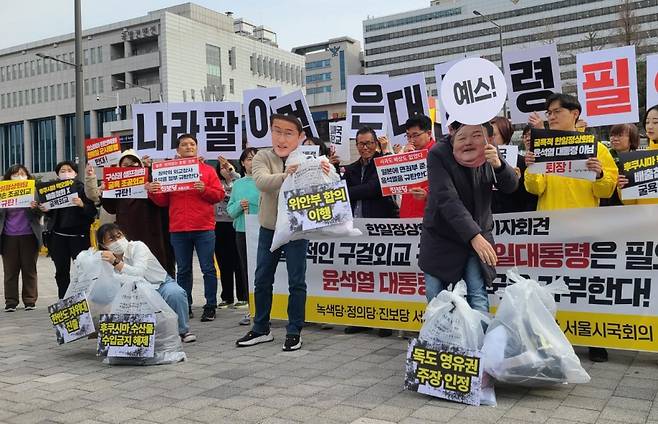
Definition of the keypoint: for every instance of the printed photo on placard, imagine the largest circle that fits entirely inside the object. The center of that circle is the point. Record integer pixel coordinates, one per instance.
(177, 174)
(126, 335)
(400, 173)
(103, 151)
(641, 169)
(57, 194)
(125, 183)
(71, 318)
(562, 153)
(318, 206)
(16, 193)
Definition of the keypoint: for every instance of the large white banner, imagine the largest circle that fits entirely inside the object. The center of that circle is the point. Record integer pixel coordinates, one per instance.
(257, 111)
(216, 125)
(607, 86)
(406, 96)
(532, 75)
(339, 140)
(374, 280)
(366, 104)
(295, 104)
(652, 80)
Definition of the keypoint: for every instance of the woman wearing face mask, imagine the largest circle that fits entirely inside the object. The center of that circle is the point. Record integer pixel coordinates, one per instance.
(134, 259)
(20, 240)
(456, 242)
(68, 228)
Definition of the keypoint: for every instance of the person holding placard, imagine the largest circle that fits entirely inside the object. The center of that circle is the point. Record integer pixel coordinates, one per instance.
(68, 227)
(419, 135)
(20, 241)
(457, 241)
(269, 172)
(623, 138)
(558, 192)
(192, 225)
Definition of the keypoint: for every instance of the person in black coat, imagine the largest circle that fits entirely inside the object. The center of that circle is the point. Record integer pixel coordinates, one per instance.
(68, 228)
(457, 242)
(362, 181)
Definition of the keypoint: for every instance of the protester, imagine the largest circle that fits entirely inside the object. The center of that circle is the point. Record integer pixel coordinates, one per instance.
(623, 138)
(419, 134)
(142, 220)
(20, 241)
(192, 225)
(68, 228)
(244, 201)
(135, 259)
(269, 171)
(558, 192)
(651, 127)
(520, 200)
(225, 244)
(365, 192)
(456, 242)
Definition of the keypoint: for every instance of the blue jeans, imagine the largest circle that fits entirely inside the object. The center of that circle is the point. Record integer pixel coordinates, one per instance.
(184, 244)
(266, 263)
(175, 296)
(476, 291)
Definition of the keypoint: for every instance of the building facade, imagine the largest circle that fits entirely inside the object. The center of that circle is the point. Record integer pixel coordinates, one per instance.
(415, 41)
(181, 53)
(327, 66)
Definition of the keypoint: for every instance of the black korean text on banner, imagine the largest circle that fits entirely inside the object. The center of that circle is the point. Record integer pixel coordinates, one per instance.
(57, 194)
(177, 174)
(257, 111)
(607, 86)
(295, 104)
(126, 335)
(532, 75)
(444, 371)
(16, 193)
(318, 206)
(406, 96)
(103, 151)
(216, 125)
(366, 104)
(440, 71)
(641, 169)
(71, 318)
(125, 183)
(563, 153)
(400, 173)
(652, 80)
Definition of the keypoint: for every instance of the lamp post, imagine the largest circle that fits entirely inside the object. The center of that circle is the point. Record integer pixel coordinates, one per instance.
(137, 86)
(500, 36)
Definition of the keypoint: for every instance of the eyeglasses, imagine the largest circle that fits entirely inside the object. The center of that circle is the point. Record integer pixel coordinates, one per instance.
(114, 237)
(284, 134)
(413, 136)
(365, 144)
(552, 112)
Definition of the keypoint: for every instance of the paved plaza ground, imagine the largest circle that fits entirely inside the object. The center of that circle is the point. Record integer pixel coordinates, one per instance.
(334, 378)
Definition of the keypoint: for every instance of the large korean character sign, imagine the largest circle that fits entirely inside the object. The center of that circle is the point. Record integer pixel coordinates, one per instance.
(652, 81)
(406, 96)
(440, 71)
(532, 75)
(473, 91)
(366, 104)
(216, 125)
(607, 86)
(295, 104)
(257, 111)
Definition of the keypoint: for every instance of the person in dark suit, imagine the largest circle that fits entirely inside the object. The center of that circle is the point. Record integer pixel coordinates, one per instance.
(457, 242)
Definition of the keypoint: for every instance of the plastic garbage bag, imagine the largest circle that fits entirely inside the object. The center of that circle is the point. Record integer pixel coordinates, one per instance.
(308, 174)
(140, 297)
(450, 320)
(97, 279)
(524, 345)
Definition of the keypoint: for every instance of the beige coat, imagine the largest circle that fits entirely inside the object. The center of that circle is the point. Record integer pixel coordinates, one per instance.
(268, 173)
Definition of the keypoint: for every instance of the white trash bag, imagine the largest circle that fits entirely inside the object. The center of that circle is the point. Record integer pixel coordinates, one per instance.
(97, 279)
(524, 345)
(450, 320)
(307, 175)
(140, 297)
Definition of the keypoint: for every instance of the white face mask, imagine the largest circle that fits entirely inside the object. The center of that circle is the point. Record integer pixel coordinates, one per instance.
(18, 177)
(118, 247)
(67, 175)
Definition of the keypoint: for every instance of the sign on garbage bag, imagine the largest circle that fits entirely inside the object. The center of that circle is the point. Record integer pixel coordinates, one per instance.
(71, 318)
(126, 335)
(318, 206)
(444, 371)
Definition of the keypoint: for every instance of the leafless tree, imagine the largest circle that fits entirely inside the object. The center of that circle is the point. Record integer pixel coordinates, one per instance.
(629, 26)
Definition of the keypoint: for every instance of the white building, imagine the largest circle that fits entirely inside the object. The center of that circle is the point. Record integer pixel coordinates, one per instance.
(415, 41)
(327, 66)
(181, 53)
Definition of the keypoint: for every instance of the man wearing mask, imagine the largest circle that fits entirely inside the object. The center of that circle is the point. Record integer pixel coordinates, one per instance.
(558, 192)
(192, 225)
(419, 135)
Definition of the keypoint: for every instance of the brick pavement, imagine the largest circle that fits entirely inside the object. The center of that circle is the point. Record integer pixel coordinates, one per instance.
(335, 378)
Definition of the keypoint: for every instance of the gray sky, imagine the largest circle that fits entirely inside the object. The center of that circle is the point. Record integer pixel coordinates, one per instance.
(296, 22)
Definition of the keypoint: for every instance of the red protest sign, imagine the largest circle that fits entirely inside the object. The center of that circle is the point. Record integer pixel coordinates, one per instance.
(103, 151)
(400, 173)
(177, 174)
(125, 183)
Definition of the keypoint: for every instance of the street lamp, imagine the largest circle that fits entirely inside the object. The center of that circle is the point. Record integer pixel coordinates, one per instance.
(137, 86)
(500, 35)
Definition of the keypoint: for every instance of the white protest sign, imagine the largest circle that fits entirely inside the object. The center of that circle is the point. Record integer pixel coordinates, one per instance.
(177, 174)
(532, 75)
(256, 108)
(216, 125)
(510, 153)
(398, 174)
(295, 104)
(16, 193)
(366, 104)
(440, 71)
(339, 140)
(406, 96)
(125, 183)
(652, 80)
(473, 91)
(607, 86)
